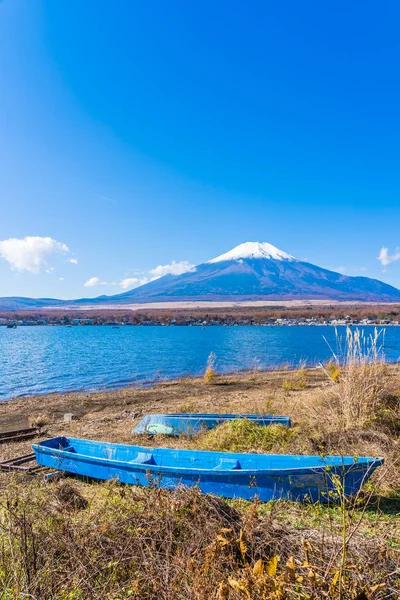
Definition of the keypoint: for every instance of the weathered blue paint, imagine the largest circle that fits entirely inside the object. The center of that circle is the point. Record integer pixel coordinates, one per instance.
(232, 475)
(191, 423)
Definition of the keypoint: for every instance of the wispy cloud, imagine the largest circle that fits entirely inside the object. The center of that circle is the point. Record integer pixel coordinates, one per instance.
(129, 283)
(348, 271)
(175, 268)
(94, 281)
(387, 259)
(132, 282)
(30, 253)
(73, 260)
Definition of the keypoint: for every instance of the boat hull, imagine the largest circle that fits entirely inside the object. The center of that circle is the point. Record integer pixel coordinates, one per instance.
(231, 475)
(192, 423)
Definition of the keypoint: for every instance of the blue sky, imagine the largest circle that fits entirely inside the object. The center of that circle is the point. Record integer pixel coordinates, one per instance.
(134, 134)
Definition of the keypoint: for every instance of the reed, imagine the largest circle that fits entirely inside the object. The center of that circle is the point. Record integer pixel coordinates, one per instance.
(210, 373)
(359, 377)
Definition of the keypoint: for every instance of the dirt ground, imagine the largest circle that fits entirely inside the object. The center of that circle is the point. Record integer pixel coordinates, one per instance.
(110, 415)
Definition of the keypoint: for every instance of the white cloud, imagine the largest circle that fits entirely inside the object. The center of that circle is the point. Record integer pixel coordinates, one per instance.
(74, 261)
(386, 259)
(129, 283)
(132, 282)
(30, 253)
(61, 278)
(94, 281)
(175, 268)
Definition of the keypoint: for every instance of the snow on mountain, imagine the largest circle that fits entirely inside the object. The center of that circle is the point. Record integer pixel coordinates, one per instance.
(260, 271)
(250, 271)
(253, 250)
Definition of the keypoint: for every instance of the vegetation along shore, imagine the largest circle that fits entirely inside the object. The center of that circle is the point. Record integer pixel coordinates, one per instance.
(301, 314)
(84, 540)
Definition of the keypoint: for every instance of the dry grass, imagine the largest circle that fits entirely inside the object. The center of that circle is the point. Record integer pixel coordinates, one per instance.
(210, 374)
(246, 436)
(74, 541)
(39, 420)
(360, 379)
(297, 380)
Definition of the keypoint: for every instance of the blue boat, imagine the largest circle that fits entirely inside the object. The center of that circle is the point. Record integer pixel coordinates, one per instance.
(192, 423)
(231, 475)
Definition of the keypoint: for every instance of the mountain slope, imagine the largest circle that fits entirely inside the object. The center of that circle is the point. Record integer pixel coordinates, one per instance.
(12, 303)
(260, 271)
(250, 271)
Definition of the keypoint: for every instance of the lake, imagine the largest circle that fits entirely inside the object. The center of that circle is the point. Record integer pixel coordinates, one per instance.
(37, 360)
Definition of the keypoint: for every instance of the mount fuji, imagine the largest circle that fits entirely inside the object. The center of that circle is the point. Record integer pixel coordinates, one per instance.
(259, 271)
(250, 271)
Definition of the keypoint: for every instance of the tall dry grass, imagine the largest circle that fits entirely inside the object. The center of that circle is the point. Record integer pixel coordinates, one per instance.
(210, 373)
(359, 377)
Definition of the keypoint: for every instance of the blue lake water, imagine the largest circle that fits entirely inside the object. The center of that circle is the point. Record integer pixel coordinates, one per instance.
(37, 360)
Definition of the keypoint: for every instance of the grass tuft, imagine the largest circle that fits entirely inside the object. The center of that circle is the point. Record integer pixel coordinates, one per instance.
(244, 435)
(39, 420)
(210, 373)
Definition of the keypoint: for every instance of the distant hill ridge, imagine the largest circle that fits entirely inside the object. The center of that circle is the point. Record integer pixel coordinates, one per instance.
(250, 271)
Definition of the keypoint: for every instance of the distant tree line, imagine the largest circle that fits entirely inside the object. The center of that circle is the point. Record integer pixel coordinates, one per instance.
(254, 315)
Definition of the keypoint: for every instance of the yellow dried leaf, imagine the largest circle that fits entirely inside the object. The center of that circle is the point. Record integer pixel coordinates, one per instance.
(291, 566)
(222, 541)
(242, 544)
(307, 545)
(272, 565)
(300, 579)
(378, 586)
(222, 592)
(258, 568)
(335, 579)
(239, 586)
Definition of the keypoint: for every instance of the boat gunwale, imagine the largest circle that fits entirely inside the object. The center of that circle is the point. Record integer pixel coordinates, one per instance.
(230, 416)
(368, 462)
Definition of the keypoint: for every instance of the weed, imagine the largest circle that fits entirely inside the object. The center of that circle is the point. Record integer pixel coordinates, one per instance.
(187, 407)
(243, 435)
(39, 420)
(297, 381)
(361, 379)
(333, 370)
(210, 374)
(136, 543)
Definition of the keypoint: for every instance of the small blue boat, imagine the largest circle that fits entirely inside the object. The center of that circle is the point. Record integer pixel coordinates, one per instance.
(231, 475)
(192, 423)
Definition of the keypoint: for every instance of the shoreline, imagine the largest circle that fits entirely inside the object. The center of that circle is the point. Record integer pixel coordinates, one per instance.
(168, 396)
(18, 410)
(284, 368)
(394, 324)
(148, 384)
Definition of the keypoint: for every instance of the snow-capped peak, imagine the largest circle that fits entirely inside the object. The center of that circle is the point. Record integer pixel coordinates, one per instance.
(253, 250)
